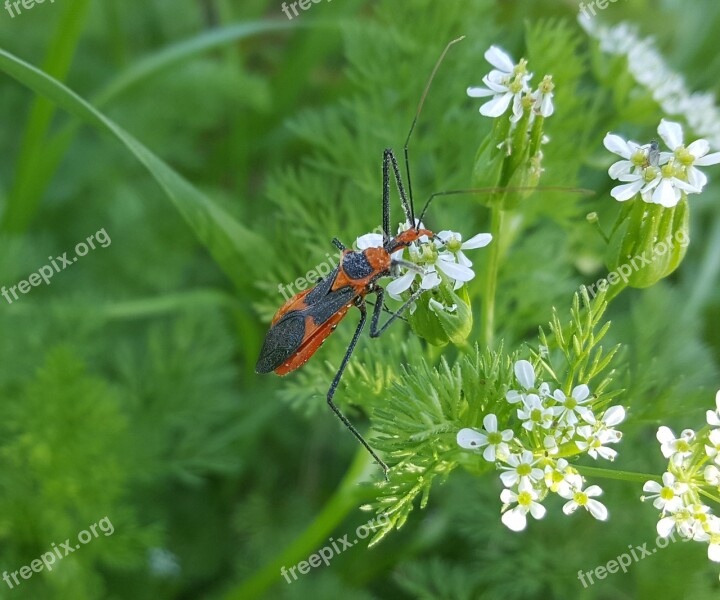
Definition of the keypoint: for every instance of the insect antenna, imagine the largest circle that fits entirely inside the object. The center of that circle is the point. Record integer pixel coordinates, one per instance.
(414, 123)
(548, 188)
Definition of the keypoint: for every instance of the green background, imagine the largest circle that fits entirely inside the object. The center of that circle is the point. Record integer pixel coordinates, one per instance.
(248, 141)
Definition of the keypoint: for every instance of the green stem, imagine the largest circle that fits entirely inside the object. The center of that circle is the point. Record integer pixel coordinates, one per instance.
(619, 475)
(709, 495)
(490, 284)
(346, 497)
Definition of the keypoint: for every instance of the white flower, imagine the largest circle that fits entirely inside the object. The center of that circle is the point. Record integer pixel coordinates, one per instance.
(454, 244)
(594, 443)
(604, 429)
(714, 539)
(695, 154)
(713, 449)
(535, 413)
(369, 240)
(521, 469)
(680, 520)
(666, 188)
(543, 97)
(494, 441)
(676, 448)
(550, 444)
(526, 499)
(696, 524)
(560, 477)
(650, 70)
(578, 497)
(713, 416)
(434, 260)
(632, 153)
(711, 474)
(504, 84)
(525, 374)
(666, 497)
(570, 408)
(632, 184)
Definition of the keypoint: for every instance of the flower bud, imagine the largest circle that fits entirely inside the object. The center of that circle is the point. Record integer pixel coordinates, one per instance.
(443, 315)
(648, 242)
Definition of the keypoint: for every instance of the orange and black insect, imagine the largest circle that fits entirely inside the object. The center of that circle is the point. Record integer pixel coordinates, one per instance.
(303, 323)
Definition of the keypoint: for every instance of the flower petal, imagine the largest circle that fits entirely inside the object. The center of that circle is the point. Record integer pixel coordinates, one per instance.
(489, 453)
(490, 423)
(470, 439)
(369, 240)
(525, 374)
(497, 106)
(515, 519)
(581, 392)
(597, 510)
(699, 148)
(619, 168)
(652, 487)
(499, 59)
(696, 178)
(454, 270)
(430, 280)
(400, 285)
(671, 133)
(621, 193)
(665, 526)
(477, 241)
(570, 507)
(537, 510)
(614, 416)
(480, 92)
(710, 159)
(617, 145)
(665, 194)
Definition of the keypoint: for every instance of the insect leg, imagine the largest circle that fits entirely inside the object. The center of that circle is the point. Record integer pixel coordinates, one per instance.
(374, 331)
(336, 381)
(385, 309)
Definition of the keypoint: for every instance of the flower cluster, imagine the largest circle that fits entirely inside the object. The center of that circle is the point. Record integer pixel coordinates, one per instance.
(659, 177)
(508, 84)
(693, 474)
(553, 425)
(648, 67)
(511, 156)
(436, 258)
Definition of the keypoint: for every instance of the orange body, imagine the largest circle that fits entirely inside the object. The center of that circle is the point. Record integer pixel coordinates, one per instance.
(304, 322)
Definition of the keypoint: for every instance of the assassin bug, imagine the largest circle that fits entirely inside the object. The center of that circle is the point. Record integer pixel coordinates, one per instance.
(303, 323)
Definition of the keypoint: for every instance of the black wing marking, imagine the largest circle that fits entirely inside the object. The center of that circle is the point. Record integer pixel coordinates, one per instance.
(283, 339)
(288, 334)
(323, 309)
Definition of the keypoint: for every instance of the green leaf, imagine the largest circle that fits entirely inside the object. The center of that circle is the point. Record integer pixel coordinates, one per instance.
(224, 237)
